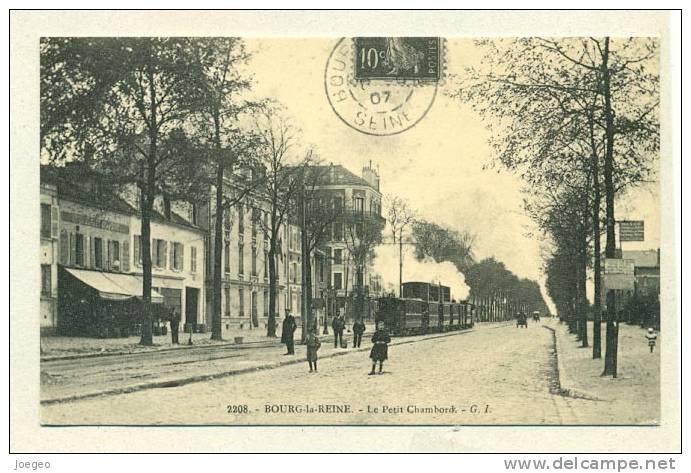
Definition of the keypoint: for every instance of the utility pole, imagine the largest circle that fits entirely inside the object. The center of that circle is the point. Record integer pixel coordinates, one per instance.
(400, 264)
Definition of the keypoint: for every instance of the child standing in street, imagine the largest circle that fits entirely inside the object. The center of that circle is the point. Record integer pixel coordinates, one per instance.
(652, 338)
(380, 349)
(313, 345)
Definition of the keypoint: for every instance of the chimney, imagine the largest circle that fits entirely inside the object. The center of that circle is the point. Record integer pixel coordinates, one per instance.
(370, 175)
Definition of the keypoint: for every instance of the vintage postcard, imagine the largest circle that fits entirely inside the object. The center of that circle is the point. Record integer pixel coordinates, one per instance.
(450, 229)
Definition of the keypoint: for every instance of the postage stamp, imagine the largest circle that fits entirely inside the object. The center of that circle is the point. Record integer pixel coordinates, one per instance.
(382, 86)
(398, 58)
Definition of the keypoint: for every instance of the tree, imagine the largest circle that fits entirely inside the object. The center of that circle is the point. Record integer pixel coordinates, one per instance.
(316, 217)
(400, 216)
(120, 105)
(537, 93)
(443, 244)
(362, 234)
(279, 137)
(228, 145)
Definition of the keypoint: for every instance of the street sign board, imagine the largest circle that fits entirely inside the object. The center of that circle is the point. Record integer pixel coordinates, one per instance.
(631, 230)
(619, 266)
(619, 274)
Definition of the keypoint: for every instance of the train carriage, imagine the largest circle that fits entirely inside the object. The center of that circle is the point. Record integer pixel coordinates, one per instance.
(402, 316)
(424, 308)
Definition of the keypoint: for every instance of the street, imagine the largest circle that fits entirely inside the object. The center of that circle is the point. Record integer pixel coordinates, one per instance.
(496, 374)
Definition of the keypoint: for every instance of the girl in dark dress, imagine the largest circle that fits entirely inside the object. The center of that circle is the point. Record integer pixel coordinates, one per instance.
(313, 345)
(380, 349)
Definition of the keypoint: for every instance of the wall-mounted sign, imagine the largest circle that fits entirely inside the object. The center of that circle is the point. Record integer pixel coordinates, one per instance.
(631, 230)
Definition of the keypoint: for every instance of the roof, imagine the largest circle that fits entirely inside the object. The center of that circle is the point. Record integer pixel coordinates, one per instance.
(76, 183)
(643, 258)
(83, 192)
(341, 176)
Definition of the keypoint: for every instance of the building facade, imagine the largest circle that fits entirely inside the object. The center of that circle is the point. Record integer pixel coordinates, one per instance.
(245, 262)
(96, 272)
(358, 196)
(49, 256)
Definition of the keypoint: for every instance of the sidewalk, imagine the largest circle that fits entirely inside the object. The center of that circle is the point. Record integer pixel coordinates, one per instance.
(636, 390)
(64, 348)
(98, 377)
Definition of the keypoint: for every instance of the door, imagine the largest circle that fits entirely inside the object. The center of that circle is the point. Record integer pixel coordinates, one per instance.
(191, 305)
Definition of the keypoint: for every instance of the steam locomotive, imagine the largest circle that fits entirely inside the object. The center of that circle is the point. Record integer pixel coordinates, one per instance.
(424, 308)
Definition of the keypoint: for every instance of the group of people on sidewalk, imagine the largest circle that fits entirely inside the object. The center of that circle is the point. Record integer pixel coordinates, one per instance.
(380, 340)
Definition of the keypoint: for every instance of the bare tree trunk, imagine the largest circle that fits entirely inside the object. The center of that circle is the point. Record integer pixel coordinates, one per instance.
(147, 321)
(597, 275)
(273, 283)
(148, 196)
(216, 325)
(610, 247)
(582, 280)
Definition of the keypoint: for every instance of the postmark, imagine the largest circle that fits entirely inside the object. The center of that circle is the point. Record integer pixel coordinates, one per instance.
(378, 104)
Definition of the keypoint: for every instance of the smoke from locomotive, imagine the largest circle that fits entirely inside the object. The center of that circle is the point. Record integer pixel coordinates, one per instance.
(386, 264)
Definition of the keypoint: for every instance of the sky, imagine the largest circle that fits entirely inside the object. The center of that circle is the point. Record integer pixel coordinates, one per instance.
(438, 165)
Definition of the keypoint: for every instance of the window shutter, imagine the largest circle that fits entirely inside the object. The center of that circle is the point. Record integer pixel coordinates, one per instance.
(73, 248)
(109, 254)
(165, 253)
(92, 252)
(137, 252)
(85, 250)
(181, 266)
(173, 258)
(54, 221)
(125, 265)
(64, 247)
(154, 252)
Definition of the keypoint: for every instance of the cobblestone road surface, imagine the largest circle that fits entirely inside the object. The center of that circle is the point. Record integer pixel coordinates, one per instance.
(493, 375)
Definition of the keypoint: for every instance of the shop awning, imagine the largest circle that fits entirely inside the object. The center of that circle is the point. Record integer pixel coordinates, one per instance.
(114, 287)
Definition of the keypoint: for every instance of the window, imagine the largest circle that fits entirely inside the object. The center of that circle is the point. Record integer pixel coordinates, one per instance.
(137, 250)
(359, 204)
(241, 259)
(254, 261)
(193, 259)
(177, 256)
(338, 256)
(241, 219)
(255, 222)
(226, 220)
(45, 220)
(79, 249)
(338, 231)
(46, 284)
(159, 250)
(266, 304)
(226, 256)
(226, 296)
(266, 265)
(98, 251)
(194, 214)
(338, 281)
(241, 298)
(114, 254)
(338, 203)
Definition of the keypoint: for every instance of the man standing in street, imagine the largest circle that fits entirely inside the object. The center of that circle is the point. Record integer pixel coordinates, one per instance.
(175, 327)
(289, 327)
(358, 330)
(338, 325)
